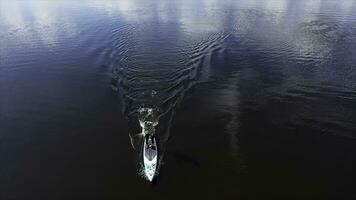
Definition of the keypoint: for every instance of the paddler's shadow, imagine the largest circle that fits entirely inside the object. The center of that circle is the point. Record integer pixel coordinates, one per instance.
(183, 158)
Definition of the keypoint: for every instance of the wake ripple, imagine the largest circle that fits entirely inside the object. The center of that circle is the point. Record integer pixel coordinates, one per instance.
(152, 77)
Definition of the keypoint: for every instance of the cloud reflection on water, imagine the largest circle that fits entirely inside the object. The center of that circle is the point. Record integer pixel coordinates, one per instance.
(29, 21)
(273, 30)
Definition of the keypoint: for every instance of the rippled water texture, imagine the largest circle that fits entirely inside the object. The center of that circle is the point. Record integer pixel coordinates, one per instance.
(247, 98)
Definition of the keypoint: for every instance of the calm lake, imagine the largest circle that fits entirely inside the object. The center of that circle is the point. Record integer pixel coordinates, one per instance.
(250, 99)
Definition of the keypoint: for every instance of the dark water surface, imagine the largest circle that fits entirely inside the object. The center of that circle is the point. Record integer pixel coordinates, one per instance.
(253, 99)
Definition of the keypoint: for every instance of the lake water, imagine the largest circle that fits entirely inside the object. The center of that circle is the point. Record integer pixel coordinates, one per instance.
(251, 99)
